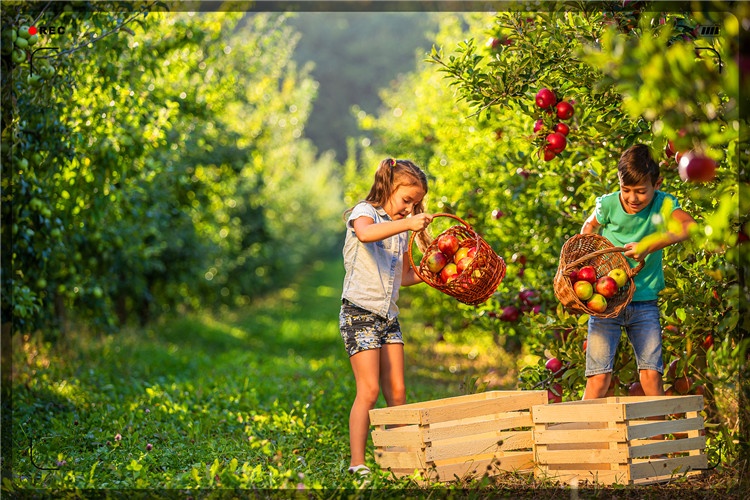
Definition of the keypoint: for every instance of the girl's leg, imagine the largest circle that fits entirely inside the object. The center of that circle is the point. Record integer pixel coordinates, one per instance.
(392, 374)
(366, 368)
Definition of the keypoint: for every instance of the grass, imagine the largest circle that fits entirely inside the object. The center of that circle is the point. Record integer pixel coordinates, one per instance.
(252, 399)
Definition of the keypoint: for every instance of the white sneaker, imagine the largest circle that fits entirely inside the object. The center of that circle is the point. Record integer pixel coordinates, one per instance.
(361, 470)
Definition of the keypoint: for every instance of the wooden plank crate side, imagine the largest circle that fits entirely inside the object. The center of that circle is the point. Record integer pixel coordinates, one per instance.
(465, 406)
(668, 446)
(552, 436)
(475, 468)
(605, 477)
(409, 460)
(668, 468)
(647, 428)
(467, 427)
(581, 456)
(664, 406)
(564, 413)
(398, 436)
(478, 445)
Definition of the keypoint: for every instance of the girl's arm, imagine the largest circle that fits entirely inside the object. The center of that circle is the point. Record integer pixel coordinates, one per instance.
(591, 225)
(368, 231)
(408, 276)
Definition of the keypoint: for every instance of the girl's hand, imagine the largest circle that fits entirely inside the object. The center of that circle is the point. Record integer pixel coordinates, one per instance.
(419, 221)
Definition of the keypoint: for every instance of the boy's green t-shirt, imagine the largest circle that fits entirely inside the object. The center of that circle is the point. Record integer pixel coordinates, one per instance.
(620, 227)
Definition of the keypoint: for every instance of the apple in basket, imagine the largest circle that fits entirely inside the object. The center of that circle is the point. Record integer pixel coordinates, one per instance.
(449, 272)
(448, 244)
(463, 264)
(435, 261)
(583, 290)
(606, 286)
(619, 275)
(461, 253)
(597, 303)
(587, 273)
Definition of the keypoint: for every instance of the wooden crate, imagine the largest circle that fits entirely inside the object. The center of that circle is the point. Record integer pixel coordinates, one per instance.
(623, 440)
(457, 438)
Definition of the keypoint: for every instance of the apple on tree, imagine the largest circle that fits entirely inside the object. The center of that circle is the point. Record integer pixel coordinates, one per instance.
(694, 167)
(555, 366)
(561, 128)
(545, 98)
(554, 393)
(564, 110)
(510, 313)
(556, 142)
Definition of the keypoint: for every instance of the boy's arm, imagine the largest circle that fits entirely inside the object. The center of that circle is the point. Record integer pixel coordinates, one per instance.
(639, 250)
(368, 231)
(591, 225)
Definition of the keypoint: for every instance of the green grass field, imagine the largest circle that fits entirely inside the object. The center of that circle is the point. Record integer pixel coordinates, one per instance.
(251, 399)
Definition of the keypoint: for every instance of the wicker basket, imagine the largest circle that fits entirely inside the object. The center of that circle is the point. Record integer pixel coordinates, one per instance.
(597, 251)
(479, 280)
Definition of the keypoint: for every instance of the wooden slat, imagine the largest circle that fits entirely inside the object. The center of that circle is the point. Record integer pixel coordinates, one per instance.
(654, 427)
(456, 407)
(482, 444)
(549, 436)
(662, 405)
(400, 436)
(469, 427)
(581, 456)
(668, 446)
(400, 460)
(521, 400)
(667, 468)
(567, 476)
(485, 465)
(571, 412)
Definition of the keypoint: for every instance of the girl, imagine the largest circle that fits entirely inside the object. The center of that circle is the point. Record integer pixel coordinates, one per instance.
(376, 240)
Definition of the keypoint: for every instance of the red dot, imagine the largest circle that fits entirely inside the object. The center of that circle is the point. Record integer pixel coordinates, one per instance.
(32, 31)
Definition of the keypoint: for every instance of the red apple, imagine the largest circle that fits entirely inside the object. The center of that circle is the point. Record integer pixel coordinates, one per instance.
(555, 366)
(538, 125)
(585, 344)
(460, 254)
(672, 370)
(670, 391)
(635, 389)
(606, 286)
(545, 98)
(435, 261)
(669, 150)
(695, 167)
(564, 110)
(556, 142)
(682, 384)
(463, 264)
(708, 342)
(510, 313)
(619, 275)
(449, 272)
(472, 252)
(573, 276)
(448, 244)
(587, 273)
(561, 128)
(549, 154)
(554, 393)
(583, 290)
(529, 297)
(597, 303)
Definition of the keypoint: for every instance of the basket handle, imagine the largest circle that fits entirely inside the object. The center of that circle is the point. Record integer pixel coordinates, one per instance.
(414, 233)
(631, 272)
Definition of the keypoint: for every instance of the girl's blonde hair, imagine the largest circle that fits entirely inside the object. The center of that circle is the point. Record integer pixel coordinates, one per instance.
(390, 175)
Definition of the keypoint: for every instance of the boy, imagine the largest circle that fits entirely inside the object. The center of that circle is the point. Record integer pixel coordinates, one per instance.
(625, 218)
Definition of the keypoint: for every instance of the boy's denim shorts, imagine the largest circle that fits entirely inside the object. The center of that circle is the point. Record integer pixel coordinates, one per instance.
(363, 330)
(641, 323)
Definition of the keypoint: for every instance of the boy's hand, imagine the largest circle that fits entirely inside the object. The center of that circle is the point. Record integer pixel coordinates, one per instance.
(632, 253)
(419, 222)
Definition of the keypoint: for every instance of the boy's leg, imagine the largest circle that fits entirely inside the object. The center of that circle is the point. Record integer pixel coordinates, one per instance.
(644, 332)
(603, 339)
(366, 368)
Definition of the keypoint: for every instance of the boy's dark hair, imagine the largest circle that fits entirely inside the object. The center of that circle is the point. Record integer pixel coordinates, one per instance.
(636, 165)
